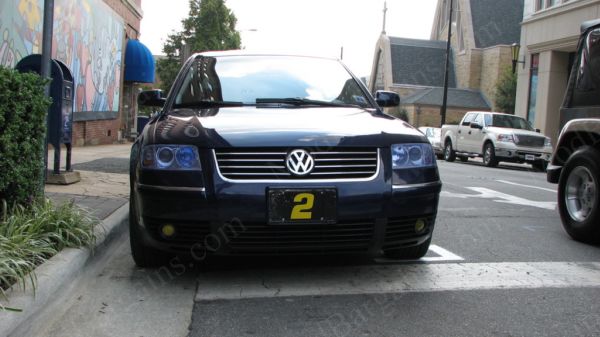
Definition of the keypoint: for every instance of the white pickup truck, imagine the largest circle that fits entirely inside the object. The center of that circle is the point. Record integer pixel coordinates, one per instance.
(496, 137)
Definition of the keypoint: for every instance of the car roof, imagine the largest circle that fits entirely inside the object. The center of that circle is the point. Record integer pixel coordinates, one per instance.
(222, 53)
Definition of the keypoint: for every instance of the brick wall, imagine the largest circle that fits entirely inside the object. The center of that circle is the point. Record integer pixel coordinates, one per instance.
(128, 10)
(107, 131)
(96, 132)
(429, 115)
(495, 61)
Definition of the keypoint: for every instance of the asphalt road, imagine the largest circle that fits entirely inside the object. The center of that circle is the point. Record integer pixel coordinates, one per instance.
(500, 265)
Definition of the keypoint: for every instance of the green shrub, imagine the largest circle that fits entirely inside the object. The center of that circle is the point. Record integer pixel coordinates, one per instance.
(29, 236)
(23, 108)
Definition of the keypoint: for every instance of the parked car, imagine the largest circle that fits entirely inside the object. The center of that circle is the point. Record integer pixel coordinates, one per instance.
(434, 135)
(575, 166)
(268, 154)
(496, 137)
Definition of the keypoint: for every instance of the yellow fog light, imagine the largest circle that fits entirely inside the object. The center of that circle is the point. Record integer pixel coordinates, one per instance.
(419, 225)
(167, 231)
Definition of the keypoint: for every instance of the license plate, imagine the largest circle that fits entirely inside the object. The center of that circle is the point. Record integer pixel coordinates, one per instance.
(529, 157)
(302, 206)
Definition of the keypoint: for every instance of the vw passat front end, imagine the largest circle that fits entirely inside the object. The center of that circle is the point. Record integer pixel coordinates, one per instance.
(266, 154)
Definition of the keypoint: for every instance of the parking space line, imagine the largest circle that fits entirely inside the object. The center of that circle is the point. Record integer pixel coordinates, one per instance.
(523, 185)
(443, 255)
(403, 278)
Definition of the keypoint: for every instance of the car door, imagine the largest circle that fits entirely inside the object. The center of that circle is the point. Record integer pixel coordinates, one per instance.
(463, 132)
(474, 137)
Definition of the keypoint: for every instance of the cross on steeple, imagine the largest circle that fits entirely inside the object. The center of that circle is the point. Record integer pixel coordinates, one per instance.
(384, 16)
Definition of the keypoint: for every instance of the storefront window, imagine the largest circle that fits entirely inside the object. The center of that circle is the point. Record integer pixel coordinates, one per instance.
(533, 84)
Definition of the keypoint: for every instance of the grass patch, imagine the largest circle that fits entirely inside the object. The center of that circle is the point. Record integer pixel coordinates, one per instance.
(31, 235)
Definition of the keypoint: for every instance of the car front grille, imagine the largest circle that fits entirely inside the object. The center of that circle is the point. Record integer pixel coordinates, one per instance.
(532, 141)
(270, 164)
(343, 237)
(403, 229)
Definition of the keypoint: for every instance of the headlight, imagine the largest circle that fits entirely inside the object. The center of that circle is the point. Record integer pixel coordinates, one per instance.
(412, 155)
(170, 157)
(506, 138)
(548, 142)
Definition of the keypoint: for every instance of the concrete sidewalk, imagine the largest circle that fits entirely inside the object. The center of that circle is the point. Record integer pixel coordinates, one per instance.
(104, 185)
(104, 191)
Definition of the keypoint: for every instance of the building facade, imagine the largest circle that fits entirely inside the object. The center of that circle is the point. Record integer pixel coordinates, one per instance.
(482, 34)
(92, 37)
(549, 36)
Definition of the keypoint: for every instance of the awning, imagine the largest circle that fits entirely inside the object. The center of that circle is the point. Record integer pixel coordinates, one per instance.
(139, 63)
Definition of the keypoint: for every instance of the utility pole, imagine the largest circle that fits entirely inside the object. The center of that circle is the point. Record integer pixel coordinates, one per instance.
(446, 74)
(45, 72)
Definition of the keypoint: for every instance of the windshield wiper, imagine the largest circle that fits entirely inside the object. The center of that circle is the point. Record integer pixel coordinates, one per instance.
(209, 104)
(302, 102)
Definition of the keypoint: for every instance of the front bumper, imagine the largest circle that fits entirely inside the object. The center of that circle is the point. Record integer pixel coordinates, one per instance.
(522, 154)
(553, 173)
(229, 218)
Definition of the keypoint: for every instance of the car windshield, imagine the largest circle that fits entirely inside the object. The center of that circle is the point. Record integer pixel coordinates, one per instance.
(511, 122)
(281, 80)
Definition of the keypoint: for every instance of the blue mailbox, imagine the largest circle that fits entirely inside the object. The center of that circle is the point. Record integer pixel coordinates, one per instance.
(60, 115)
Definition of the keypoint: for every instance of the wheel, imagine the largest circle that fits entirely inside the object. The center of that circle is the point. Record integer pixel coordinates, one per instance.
(540, 166)
(489, 155)
(578, 195)
(143, 256)
(464, 159)
(449, 154)
(410, 253)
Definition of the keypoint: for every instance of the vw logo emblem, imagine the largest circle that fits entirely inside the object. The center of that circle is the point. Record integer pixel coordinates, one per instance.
(300, 162)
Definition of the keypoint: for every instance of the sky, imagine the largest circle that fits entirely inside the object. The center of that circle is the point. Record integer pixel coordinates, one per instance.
(304, 27)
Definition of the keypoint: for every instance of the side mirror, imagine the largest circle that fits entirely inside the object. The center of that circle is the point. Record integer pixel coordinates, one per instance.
(476, 126)
(151, 98)
(387, 98)
(538, 130)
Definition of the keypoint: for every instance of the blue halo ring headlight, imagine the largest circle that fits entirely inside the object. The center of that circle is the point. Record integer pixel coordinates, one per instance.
(412, 156)
(170, 157)
(164, 156)
(187, 157)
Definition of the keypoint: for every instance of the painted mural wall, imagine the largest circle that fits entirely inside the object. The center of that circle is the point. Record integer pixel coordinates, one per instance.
(88, 38)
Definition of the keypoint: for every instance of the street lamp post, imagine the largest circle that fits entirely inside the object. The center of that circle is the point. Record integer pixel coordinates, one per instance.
(515, 48)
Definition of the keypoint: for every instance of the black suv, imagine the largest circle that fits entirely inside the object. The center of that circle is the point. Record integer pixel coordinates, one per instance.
(575, 165)
(267, 154)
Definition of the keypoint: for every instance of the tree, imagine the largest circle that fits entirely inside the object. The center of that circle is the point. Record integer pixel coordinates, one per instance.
(210, 25)
(506, 91)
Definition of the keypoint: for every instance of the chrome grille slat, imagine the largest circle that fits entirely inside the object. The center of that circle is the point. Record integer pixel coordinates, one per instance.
(527, 140)
(270, 164)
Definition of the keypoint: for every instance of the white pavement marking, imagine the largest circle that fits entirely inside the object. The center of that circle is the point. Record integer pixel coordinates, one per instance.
(323, 281)
(496, 196)
(444, 255)
(528, 186)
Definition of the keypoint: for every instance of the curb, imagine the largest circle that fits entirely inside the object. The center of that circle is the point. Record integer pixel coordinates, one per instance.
(56, 273)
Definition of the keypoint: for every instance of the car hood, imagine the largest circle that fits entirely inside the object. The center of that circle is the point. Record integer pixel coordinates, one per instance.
(259, 127)
(515, 131)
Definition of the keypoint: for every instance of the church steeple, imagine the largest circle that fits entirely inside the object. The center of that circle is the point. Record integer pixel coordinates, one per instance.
(384, 16)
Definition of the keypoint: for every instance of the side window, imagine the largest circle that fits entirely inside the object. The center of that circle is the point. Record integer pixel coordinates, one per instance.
(479, 119)
(468, 119)
(488, 119)
(587, 85)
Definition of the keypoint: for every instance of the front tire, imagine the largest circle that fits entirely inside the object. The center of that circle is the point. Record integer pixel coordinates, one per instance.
(489, 155)
(579, 195)
(449, 154)
(410, 253)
